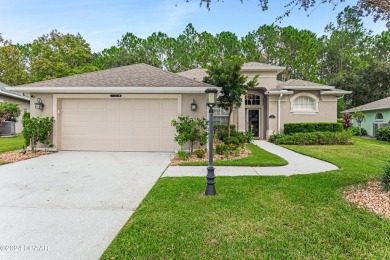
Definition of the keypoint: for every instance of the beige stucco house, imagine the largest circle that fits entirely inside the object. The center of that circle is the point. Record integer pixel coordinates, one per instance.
(130, 108)
(272, 103)
(16, 97)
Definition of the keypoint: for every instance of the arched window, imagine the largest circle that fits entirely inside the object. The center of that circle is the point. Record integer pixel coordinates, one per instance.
(379, 117)
(304, 103)
(252, 100)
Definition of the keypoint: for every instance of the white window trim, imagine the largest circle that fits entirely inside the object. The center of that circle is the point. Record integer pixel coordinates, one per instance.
(257, 94)
(219, 115)
(310, 95)
(379, 119)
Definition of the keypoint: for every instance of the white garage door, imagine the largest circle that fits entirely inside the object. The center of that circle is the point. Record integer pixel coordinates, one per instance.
(118, 125)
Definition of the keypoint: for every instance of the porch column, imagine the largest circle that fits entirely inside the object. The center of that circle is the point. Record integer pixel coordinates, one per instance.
(241, 120)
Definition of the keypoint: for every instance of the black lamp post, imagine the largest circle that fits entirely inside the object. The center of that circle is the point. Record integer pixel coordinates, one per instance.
(211, 98)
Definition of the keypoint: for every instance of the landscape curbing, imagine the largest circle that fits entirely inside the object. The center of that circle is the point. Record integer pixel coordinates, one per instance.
(297, 164)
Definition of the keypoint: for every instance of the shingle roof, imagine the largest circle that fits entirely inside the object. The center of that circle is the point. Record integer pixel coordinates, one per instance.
(379, 104)
(300, 83)
(199, 74)
(195, 74)
(12, 93)
(136, 75)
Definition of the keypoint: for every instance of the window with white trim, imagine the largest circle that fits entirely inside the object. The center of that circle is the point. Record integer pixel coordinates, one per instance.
(379, 117)
(220, 116)
(304, 103)
(252, 99)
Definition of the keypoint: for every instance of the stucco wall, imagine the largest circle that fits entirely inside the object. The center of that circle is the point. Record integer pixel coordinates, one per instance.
(369, 120)
(267, 79)
(50, 99)
(327, 110)
(24, 107)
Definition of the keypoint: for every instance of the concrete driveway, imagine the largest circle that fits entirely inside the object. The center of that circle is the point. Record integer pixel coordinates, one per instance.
(71, 205)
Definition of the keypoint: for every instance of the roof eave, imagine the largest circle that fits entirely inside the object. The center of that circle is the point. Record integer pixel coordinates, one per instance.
(365, 109)
(278, 92)
(335, 92)
(8, 94)
(104, 90)
(308, 87)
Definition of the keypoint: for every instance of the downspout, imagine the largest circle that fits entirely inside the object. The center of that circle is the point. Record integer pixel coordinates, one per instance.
(280, 97)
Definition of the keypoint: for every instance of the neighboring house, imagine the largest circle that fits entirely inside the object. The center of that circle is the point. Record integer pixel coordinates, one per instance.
(12, 96)
(127, 108)
(267, 107)
(377, 115)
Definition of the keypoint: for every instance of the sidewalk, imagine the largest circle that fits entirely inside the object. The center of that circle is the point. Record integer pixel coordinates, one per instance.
(297, 164)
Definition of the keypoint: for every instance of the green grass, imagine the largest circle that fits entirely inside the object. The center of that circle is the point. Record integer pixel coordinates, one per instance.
(259, 157)
(298, 217)
(11, 143)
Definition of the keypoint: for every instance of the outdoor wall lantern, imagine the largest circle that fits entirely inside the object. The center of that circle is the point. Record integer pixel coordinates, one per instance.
(39, 105)
(272, 116)
(194, 106)
(211, 98)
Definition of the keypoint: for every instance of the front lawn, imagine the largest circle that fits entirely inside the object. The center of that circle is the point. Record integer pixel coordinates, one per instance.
(11, 143)
(259, 157)
(299, 217)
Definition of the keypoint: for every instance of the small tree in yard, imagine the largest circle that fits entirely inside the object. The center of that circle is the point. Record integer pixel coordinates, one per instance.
(227, 75)
(359, 117)
(8, 112)
(189, 130)
(37, 130)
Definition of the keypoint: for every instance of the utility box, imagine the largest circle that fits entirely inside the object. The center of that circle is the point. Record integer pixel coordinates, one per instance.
(8, 128)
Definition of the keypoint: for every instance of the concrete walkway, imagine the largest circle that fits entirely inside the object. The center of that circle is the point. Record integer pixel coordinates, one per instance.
(297, 164)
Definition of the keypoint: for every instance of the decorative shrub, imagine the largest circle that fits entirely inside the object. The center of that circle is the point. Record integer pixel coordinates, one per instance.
(200, 153)
(221, 149)
(314, 138)
(183, 155)
(292, 128)
(36, 130)
(385, 178)
(221, 131)
(383, 134)
(189, 130)
(355, 131)
(347, 121)
(232, 141)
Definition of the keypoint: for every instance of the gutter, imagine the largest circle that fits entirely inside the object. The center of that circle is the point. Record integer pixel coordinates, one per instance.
(110, 90)
(14, 95)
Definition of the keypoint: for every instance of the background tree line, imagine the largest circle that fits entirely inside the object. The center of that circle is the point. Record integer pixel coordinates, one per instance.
(347, 55)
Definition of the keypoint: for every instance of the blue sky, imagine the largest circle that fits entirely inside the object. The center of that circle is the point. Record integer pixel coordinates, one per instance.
(103, 22)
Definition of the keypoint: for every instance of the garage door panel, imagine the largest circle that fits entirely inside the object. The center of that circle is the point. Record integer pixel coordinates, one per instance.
(118, 125)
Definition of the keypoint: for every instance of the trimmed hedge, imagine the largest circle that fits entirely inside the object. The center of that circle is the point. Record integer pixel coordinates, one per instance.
(314, 138)
(292, 128)
(383, 134)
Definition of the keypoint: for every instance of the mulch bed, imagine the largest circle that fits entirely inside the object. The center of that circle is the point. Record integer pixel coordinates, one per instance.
(372, 197)
(16, 156)
(244, 152)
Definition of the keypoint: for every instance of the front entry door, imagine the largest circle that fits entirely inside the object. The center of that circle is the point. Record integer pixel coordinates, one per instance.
(254, 121)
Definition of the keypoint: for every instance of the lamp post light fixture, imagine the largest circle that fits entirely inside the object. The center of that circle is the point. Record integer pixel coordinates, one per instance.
(39, 105)
(211, 98)
(194, 106)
